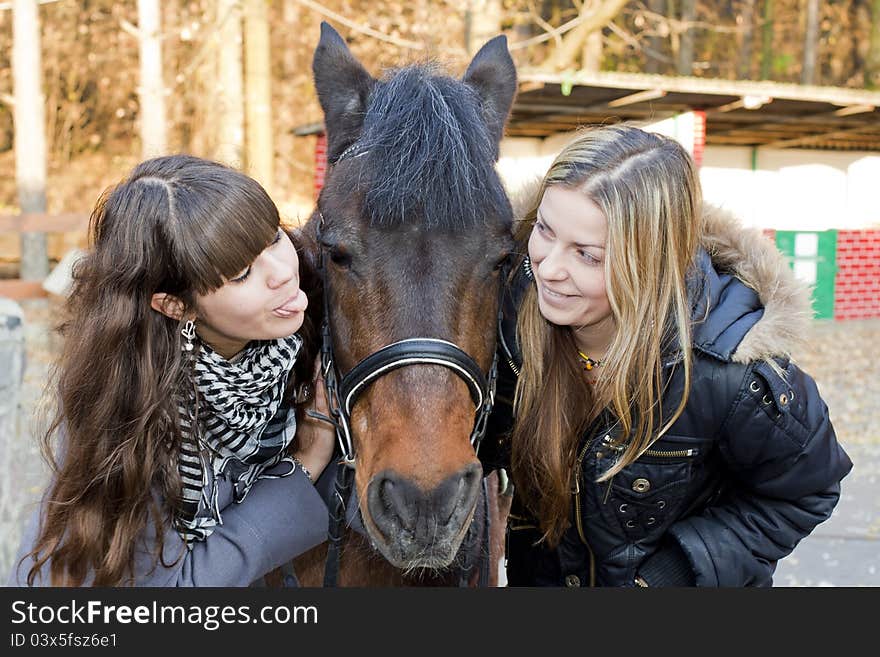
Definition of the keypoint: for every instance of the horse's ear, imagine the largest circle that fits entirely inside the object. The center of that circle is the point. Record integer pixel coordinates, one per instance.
(492, 74)
(343, 87)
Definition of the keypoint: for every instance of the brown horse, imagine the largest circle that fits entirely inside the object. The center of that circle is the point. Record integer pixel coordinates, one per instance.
(413, 229)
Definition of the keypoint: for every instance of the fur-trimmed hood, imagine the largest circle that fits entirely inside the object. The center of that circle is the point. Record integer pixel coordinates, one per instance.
(780, 303)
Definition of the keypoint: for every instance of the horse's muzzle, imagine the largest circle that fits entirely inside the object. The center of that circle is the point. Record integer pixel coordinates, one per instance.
(422, 529)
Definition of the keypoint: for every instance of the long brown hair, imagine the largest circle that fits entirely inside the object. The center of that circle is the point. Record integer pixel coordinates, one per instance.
(647, 187)
(179, 225)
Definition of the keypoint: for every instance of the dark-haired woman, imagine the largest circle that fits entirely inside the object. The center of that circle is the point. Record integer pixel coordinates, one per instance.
(180, 461)
(660, 434)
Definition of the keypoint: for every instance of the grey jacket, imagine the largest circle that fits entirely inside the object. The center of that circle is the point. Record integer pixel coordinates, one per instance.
(278, 520)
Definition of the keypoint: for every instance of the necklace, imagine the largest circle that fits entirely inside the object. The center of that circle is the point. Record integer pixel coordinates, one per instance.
(589, 363)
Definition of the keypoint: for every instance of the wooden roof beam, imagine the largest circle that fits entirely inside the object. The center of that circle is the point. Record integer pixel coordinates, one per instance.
(746, 102)
(811, 139)
(638, 97)
(854, 109)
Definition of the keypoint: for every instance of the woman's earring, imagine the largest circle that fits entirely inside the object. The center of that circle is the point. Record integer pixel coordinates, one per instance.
(189, 334)
(527, 265)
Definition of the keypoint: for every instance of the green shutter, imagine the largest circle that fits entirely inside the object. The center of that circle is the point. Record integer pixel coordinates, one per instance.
(815, 263)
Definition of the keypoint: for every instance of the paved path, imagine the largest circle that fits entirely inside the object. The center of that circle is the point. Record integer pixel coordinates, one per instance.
(845, 550)
(842, 356)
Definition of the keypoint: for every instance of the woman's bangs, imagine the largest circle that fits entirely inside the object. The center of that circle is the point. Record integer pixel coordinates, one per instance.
(224, 249)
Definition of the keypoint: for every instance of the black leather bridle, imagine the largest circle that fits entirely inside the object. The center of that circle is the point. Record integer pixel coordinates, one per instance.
(342, 393)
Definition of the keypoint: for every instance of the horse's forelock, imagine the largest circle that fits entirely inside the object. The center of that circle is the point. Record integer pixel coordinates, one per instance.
(430, 157)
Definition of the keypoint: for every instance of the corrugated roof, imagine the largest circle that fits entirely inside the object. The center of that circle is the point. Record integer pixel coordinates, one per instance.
(782, 115)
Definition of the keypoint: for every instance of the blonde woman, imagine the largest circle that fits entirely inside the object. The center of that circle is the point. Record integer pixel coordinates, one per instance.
(656, 431)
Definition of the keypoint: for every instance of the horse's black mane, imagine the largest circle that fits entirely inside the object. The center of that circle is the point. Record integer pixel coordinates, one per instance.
(429, 153)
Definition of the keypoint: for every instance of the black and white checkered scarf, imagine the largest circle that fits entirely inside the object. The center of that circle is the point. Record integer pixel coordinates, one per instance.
(243, 429)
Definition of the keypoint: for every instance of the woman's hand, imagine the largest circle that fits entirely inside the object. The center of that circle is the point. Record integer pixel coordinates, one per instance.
(315, 438)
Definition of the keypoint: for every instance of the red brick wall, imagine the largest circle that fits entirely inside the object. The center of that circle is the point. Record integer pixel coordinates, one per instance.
(699, 136)
(857, 284)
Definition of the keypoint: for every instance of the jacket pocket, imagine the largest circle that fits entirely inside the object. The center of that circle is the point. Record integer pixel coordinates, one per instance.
(644, 498)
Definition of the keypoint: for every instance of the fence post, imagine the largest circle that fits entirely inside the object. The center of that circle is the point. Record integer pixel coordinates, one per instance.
(11, 365)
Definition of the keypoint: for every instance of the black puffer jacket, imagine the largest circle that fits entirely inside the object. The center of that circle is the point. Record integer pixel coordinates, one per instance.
(747, 471)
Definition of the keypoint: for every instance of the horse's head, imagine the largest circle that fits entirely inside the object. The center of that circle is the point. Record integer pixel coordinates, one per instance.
(414, 225)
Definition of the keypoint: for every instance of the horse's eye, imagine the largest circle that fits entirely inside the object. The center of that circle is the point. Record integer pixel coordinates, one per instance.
(340, 257)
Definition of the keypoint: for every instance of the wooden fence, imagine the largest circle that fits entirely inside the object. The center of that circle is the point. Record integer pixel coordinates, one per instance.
(70, 222)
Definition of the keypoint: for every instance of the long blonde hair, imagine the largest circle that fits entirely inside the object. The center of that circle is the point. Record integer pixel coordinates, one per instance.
(647, 187)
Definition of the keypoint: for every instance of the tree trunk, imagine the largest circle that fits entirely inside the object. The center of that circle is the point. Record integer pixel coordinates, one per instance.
(811, 39)
(767, 41)
(747, 24)
(30, 132)
(152, 89)
(593, 18)
(655, 41)
(591, 59)
(287, 100)
(260, 150)
(685, 60)
(872, 62)
(482, 23)
(230, 103)
(205, 125)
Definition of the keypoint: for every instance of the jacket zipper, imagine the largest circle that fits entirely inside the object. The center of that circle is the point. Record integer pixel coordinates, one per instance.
(577, 513)
(507, 352)
(672, 454)
(662, 453)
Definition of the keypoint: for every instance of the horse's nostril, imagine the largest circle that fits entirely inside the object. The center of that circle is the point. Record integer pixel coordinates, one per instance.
(386, 489)
(395, 506)
(472, 474)
(456, 495)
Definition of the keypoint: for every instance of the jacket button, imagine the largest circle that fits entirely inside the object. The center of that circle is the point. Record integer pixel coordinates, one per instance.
(572, 580)
(641, 485)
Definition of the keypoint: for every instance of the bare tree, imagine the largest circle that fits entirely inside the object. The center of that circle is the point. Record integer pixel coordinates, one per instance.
(591, 58)
(258, 93)
(685, 60)
(872, 64)
(230, 141)
(591, 17)
(746, 23)
(655, 40)
(151, 90)
(287, 97)
(30, 132)
(811, 39)
(767, 41)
